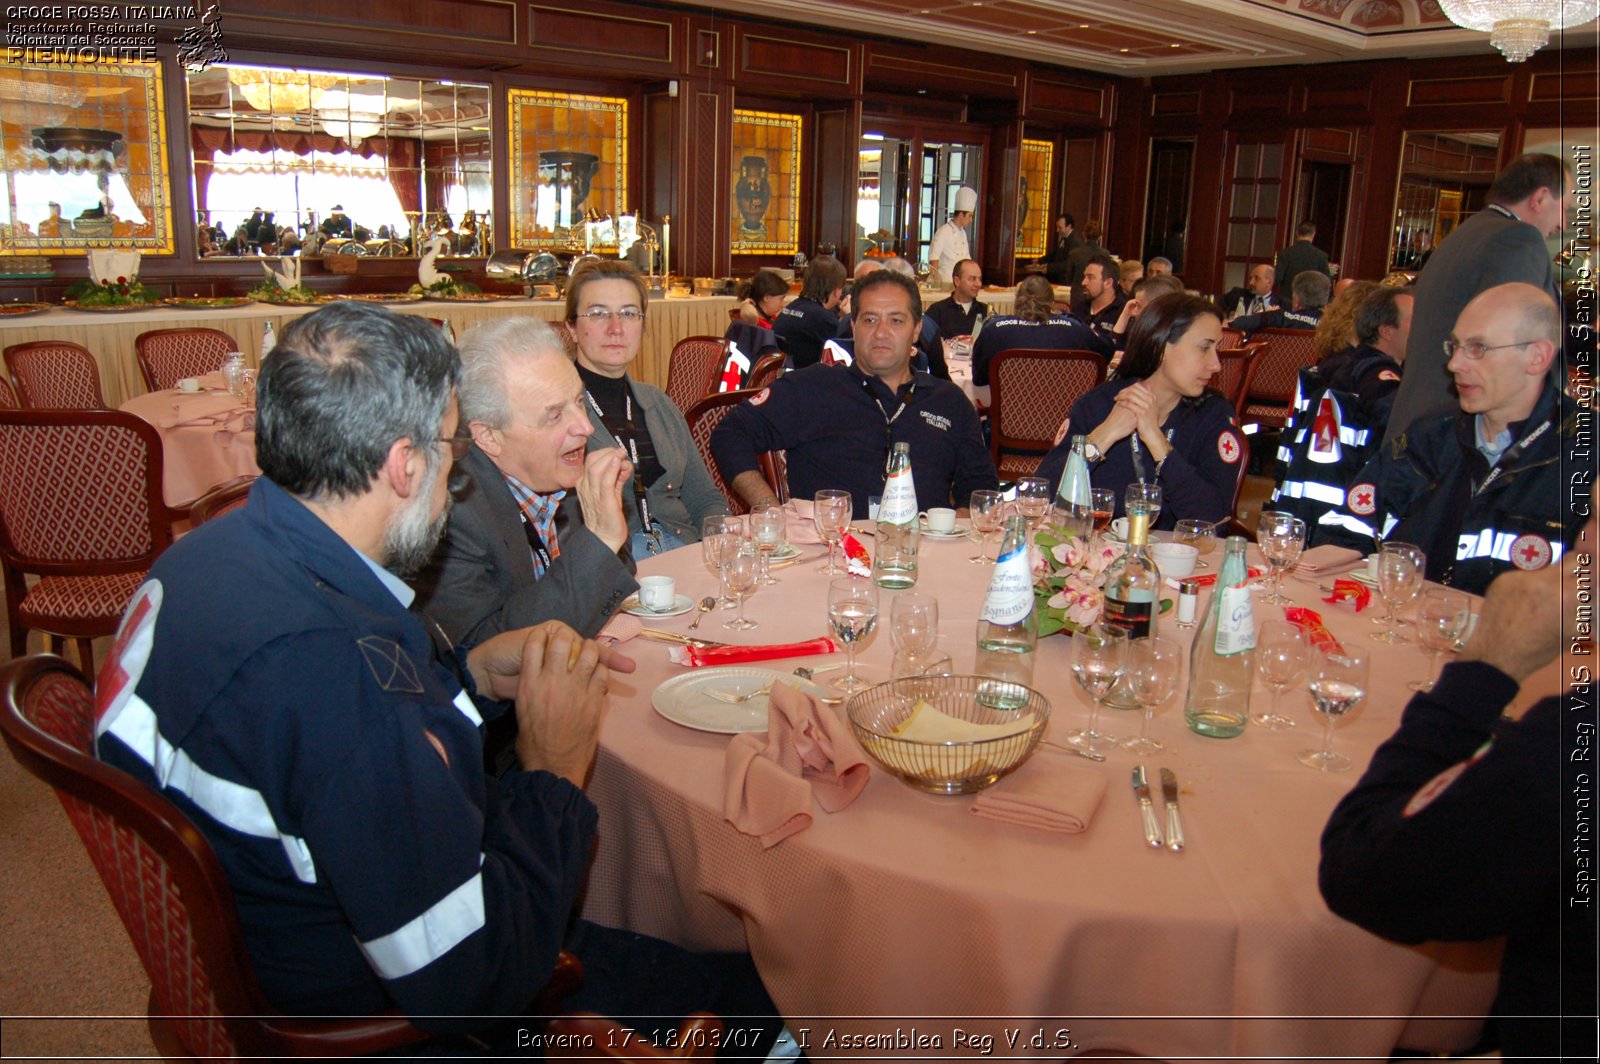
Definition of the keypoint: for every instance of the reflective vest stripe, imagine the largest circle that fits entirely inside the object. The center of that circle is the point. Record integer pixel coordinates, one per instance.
(1496, 545)
(1311, 489)
(430, 935)
(1335, 519)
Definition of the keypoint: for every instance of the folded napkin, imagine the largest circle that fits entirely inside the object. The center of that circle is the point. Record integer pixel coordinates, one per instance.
(808, 752)
(620, 629)
(800, 530)
(694, 657)
(1046, 794)
(1326, 559)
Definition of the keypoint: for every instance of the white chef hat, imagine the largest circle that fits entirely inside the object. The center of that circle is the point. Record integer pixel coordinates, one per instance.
(966, 199)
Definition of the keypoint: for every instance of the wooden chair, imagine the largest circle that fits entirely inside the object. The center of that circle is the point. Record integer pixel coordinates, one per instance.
(166, 356)
(703, 419)
(8, 394)
(225, 498)
(692, 369)
(1238, 369)
(1277, 368)
(81, 507)
(55, 375)
(1232, 339)
(766, 371)
(1029, 393)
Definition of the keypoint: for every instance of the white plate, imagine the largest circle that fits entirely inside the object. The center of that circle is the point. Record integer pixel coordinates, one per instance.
(680, 604)
(683, 699)
(959, 532)
(785, 552)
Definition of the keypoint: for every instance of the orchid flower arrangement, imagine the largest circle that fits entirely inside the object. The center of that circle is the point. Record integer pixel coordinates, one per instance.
(1069, 575)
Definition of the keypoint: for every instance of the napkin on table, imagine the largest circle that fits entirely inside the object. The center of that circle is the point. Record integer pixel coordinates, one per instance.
(1325, 559)
(808, 752)
(1044, 794)
(799, 528)
(620, 629)
(694, 657)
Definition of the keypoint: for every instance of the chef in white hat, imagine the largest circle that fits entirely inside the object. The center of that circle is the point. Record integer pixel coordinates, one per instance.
(949, 245)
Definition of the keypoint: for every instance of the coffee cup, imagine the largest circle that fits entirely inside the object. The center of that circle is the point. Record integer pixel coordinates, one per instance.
(657, 593)
(941, 519)
(1119, 529)
(189, 384)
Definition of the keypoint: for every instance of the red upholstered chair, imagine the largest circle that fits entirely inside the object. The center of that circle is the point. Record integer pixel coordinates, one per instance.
(766, 371)
(172, 894)
(8, 394)
(1277, 368)
(166, 356)
(703, 419)
(692, 369)
(55, 375)
(1238, 370)
(225, 498)
(1232, 339)
(81, 507)
(1030, 391)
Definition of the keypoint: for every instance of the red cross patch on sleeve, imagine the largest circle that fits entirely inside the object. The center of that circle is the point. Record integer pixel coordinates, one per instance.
(1362, 499)
(1530, 552)
(1228, 446)
(760, 397)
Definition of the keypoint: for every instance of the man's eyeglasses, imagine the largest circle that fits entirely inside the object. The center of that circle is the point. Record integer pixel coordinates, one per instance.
(459, 446)
(1475, 351)
(604, 316)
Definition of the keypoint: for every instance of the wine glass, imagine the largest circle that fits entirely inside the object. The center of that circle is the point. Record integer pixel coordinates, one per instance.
(766, 527)
(1099, 658)
(853, 614)
(1401, 568)
(715, 547)
(1102, 506)
(1281, 538)
(1338, 684)
(1441, 618)
(1146, 495)
(914, 630)
(831, 513)
(1151, 677)
(988, 513)
(742, 574)
(1281, 654)
(1033, 500)
(1201, 535)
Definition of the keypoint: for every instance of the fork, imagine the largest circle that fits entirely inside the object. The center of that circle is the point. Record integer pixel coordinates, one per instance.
(738, 698)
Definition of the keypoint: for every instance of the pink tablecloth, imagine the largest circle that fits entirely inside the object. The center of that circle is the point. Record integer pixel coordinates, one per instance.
(904, 906)
(207, 438)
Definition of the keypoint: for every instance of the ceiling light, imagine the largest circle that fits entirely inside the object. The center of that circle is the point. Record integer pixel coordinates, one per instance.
(281, 91)
(1519, 27)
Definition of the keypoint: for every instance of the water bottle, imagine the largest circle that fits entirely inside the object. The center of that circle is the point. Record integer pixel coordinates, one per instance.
(894, 560)
(233, 372)
(448, 330)
(269, 340)
(1223, 660)
(1007, 633)
(1073, 494)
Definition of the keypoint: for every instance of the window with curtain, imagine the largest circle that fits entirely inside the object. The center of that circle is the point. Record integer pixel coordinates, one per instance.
(297, 185)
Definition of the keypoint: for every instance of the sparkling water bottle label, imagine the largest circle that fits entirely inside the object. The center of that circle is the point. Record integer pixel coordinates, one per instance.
(899, 505)
(1236, 629)
(1010, 597)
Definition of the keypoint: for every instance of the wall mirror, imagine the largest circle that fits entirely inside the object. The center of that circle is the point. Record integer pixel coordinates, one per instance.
(85, 159)
(1443, 179)
(320, 162)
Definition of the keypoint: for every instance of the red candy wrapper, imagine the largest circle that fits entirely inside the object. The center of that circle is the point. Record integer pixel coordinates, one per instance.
(698, 656)
(1350, 594)
(1310, 623)
(856, 557)
(1208, 579)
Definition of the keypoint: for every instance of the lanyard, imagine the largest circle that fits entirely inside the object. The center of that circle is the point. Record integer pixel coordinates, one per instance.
(535, 541)
(888, 418)
(629, 438)
(1511, 454)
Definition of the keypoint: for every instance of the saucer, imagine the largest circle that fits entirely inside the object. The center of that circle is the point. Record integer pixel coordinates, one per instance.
(959, 532)
(680, 604)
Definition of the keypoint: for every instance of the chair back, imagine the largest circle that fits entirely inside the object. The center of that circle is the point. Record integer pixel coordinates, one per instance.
(1232, 339)
(1030, 391)
(225, 498)
(166, 883)
(1238, 369)
(8, 394)
(703, 419)
(55, 375)
(692, 369)
(1277, 369)
(766, 371)
(166, 356)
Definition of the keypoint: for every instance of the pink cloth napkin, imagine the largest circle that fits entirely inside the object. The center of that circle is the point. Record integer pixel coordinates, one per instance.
(1327, 558)
(620, 629)
(808, 752)
(695, 657)
(1046, 794)
(800, 530)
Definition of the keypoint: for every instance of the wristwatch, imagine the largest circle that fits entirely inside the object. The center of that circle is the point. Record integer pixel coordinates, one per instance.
(1091, 453)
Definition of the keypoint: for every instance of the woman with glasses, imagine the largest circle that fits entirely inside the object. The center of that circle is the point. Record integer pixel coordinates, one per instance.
(1160, 422)
(672, 491)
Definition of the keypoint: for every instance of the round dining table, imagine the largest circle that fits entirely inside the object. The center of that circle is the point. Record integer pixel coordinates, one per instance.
(207, 437)
(904, 925)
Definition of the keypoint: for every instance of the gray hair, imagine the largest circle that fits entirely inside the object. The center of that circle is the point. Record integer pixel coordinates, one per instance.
(484, 352)
(901, 266)
(1311, 289)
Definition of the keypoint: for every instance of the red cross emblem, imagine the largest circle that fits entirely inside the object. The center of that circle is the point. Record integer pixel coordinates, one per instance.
(1228, 447)
(1530, 552)
(1362, 499)
(760, 397)
(732, 377)
(121, 672)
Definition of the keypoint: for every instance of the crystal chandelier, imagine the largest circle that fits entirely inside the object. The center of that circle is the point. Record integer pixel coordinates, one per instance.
(1519, 27)
(281, 91)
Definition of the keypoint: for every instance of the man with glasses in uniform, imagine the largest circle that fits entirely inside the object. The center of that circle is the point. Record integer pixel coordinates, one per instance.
(1482, 490)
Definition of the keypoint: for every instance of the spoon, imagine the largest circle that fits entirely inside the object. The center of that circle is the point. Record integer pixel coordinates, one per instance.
(707, 604)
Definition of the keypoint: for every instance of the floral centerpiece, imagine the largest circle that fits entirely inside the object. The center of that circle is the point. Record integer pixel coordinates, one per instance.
(120, 291)
(1069, 576)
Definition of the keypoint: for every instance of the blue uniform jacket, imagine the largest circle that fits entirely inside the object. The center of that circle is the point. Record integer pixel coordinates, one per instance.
(1061, 332)
(1200, 474)
(802, 328)
(267, 682)
(829, 420)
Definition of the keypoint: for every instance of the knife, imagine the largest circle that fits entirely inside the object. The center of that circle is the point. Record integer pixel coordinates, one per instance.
(1147, 809)
(674, 637)
(1169, 793)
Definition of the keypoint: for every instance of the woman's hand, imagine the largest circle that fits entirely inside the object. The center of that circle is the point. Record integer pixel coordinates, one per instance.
(1140, 403)
(1124, 417)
